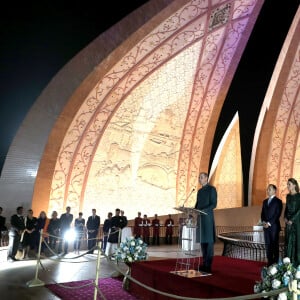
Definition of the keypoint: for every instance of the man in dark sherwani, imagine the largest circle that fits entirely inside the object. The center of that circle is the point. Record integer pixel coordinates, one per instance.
(116, 225)
(206, 232)
(138, 225)
(155, 230)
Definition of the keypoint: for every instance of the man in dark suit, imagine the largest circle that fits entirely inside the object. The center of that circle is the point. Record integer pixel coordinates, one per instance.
(92, 226)
(17, 228)
(65, 225)
(270, 217)
(206, 232)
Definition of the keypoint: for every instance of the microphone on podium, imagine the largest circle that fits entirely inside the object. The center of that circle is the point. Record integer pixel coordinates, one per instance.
(191, 192)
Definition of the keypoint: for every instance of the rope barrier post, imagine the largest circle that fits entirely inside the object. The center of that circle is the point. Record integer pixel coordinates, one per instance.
(97, 272)
(293, 289)
(36, 281)
(119, 237)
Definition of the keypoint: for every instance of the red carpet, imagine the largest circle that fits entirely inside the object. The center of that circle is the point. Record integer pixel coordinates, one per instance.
(230, 277)
(110, 287)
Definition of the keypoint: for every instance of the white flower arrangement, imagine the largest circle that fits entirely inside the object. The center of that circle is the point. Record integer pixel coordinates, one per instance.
(131, 250)
(278, 276)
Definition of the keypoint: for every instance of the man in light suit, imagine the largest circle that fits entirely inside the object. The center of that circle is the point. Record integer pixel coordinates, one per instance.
(92, 225)
(270, 217)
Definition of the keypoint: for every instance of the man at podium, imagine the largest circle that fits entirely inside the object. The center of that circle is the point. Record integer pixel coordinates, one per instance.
(206, 232)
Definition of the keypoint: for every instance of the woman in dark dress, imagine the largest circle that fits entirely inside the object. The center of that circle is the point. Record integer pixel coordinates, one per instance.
(292, 221)
(28, 242)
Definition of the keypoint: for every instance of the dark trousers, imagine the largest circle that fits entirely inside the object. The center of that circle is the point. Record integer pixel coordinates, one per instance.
(64, 242)
(208, 254)
(272, 245)
(146, 239)
(52, 242)
(169, 239)
(92, 241)
(37, 237)
(104, 243)
(77, 242)
(155, 240)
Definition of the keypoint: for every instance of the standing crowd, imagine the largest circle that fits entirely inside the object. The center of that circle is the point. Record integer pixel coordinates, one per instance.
(24, 232)
(142, 227)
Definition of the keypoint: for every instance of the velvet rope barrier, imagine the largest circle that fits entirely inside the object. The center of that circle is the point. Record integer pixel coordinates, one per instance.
(37, 282)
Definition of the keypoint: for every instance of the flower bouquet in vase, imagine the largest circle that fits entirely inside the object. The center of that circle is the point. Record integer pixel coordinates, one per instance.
(278, 276)
(133, 249)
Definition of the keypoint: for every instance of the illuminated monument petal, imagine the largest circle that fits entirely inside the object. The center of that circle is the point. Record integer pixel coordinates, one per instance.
(275, 153)
(226, 170)
(113, 133)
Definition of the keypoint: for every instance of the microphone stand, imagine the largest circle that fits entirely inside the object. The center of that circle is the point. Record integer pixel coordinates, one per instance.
(192, 191)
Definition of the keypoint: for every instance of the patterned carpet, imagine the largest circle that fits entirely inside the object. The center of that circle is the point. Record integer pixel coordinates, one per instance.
(111, 288)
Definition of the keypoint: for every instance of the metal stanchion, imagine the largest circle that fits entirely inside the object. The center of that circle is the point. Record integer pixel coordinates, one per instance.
(119, 237)
(36, 281)
(97, 272)
(293, 288)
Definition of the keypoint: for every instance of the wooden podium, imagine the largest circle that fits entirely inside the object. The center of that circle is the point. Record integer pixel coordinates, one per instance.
(189, 251)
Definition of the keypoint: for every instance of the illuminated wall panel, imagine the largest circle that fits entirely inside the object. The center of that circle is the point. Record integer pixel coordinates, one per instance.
(136, 159)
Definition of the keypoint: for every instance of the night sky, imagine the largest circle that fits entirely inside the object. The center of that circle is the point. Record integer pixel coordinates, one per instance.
(39, 38)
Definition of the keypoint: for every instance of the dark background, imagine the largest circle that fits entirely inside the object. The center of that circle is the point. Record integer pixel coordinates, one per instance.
(39, 38)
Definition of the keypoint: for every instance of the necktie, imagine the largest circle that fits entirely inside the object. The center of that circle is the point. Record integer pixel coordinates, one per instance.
(269, 201)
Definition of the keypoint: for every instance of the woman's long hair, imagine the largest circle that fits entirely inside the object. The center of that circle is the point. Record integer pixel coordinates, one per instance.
(295, 182)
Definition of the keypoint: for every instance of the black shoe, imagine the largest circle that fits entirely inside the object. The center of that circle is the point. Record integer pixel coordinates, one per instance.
(11, 259)
(201, 268)
(205, 269)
